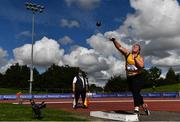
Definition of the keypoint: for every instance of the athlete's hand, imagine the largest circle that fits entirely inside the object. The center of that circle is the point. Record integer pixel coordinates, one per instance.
(112, 39)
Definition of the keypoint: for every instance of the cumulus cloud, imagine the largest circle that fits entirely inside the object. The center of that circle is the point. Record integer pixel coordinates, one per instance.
(69, 23)
(46, 52)
(153, 19)
(156, 22)
(65, 40)
(84, 4)
(3, 57)
(172, 60)
(99, 67)
(101, 43)
(101, 61)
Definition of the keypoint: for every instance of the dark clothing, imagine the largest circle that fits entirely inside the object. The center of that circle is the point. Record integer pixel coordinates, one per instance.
(135, 83)
(80, 89)
(79, 84)
(77, 95)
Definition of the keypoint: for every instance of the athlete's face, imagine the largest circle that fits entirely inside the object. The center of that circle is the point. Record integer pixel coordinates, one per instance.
(135, 48)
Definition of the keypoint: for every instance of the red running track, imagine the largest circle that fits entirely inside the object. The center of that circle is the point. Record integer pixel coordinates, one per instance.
(110, 104)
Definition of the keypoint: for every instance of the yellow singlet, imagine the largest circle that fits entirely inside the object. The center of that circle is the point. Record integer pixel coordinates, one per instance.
(131, 68)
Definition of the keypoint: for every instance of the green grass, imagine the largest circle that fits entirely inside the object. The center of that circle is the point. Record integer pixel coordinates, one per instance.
(10, 91)
(166, 88)
(10, 112)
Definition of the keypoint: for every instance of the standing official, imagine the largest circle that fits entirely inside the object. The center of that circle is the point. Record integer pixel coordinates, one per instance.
(80, 87)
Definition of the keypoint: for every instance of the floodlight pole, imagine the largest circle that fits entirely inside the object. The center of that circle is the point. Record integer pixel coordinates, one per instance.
(34, 8)
(32, 49)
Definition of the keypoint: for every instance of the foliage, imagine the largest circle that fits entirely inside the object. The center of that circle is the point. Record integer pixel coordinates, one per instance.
(154, 73)
(94, 88)
(55, 79)
(116, 84)
(171, 74)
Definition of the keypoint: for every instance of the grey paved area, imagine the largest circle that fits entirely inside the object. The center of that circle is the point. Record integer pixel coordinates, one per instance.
(156, 115)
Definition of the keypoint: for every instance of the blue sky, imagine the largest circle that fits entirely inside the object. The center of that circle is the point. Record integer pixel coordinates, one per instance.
(66, 34)
(15, 19)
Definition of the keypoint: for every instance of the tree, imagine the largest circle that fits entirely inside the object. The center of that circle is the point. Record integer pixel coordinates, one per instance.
(58, 78)
(116, 84)
(94, 88)
(18, 76)
(154, 73)
(171, 74)
(178, 77)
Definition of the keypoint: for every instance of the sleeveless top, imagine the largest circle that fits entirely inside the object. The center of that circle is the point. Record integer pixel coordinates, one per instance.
(131, 68)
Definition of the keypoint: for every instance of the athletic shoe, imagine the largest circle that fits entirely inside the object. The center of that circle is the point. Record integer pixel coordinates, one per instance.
(147, 112)
(136, 112)
(74, 106)
(145, 107)
(84, 106)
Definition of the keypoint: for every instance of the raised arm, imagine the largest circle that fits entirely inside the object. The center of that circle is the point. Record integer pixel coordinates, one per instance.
(118, 46)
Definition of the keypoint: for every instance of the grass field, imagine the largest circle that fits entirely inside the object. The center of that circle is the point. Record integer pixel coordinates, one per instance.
(10, 112)
(166, 88)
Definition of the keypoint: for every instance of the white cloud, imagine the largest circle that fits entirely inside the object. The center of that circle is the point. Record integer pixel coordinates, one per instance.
(99, 67)
(4, 68)
(69, 23)
(99, 61)
(84, 4)
(3, 57)
(65, 40)
(156, 23)
(101, 43)
(153, 19)
(172, 60)
(46, 52)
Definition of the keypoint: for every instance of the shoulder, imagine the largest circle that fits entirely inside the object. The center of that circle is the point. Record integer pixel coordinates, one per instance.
(75, 78)
(128, 54)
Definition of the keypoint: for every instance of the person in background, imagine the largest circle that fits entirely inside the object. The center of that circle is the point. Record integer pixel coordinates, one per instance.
(18, 97)
(79, 88)
(134, 67)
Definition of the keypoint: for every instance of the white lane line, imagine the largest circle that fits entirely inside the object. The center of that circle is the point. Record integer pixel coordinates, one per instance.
(106, 101)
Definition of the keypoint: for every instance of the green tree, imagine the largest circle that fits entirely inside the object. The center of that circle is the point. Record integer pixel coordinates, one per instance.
(1, 80)
(171, 74)
(58, 78)
(178, 77)
(94, 88)
(18, 76)
(116, 84)
(154, 73)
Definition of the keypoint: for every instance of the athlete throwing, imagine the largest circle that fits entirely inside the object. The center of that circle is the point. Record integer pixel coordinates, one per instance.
(134, 67)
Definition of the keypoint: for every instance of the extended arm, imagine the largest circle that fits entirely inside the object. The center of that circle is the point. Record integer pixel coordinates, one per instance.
(118, 46)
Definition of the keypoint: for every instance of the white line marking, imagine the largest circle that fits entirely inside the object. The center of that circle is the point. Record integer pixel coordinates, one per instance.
(107, 101)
